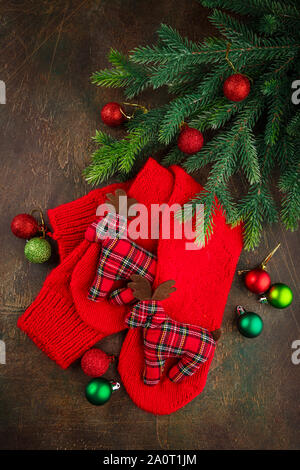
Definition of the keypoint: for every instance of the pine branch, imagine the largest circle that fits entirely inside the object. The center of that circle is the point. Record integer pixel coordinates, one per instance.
(233, 29)
(255, 208)
(111, 78)
(174, 157)
(254, 7)
(255, 137)
(293, 127)
(125, 74)
(172, 39)
(289, 184)
(182, 108)
(249, 156)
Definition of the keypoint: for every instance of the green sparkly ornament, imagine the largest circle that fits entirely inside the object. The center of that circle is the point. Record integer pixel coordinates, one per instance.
(279, 296)
(98, 391)
(37, 250)
(249, 324)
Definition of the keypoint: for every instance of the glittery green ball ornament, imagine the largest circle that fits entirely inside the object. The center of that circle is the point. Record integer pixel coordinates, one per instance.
(279, 296)
(249, 324)
(98, 391)
(37, 250)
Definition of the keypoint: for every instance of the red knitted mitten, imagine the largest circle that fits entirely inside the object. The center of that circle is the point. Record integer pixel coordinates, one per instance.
(153, 185)
(203, 278)
(62, 321)
(52, 321)
(165, 338)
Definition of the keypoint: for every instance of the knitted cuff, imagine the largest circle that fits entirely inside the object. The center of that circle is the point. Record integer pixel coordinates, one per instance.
(70, 221)
(61, 334)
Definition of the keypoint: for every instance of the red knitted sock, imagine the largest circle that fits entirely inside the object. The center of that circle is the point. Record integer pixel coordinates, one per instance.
(202, 279)
(52, 321)
(64, 330)
(147, 188)
(69, 221)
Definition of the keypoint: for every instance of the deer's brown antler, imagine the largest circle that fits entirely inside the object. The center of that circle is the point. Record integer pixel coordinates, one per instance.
(216, 334)
(164, 290)
(118, 201)
(141, 287)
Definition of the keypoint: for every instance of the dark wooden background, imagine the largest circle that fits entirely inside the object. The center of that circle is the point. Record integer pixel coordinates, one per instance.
(48, 51)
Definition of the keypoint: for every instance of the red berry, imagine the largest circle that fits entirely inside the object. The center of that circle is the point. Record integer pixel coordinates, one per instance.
(236, 87)
(24, 226)
(190, 140)
(95, 362)
(111, 114)
(257, 280)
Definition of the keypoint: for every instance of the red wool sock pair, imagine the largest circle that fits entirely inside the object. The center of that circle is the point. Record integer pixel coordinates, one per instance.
(64, 322)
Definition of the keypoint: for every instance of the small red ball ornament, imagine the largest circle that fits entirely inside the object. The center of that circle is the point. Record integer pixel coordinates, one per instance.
(257, 280)
(24, 226)
(236, 87)
(112, 114)
(190, 140)
(95, 362)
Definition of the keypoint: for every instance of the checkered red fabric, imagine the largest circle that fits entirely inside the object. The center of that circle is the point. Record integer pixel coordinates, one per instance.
(119, 259)
(165, 338)
(122, 296)
(111, 226)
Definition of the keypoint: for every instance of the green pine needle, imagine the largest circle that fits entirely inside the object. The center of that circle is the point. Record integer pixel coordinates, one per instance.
(256, 139)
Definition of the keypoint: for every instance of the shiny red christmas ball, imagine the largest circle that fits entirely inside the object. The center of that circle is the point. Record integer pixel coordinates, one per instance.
(24, 226)
(236, 87)
(95, 362)
(190, 140)
(111, 114)
(257, 280)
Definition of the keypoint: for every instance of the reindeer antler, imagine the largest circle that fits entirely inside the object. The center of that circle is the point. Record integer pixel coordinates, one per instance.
(142, 290)
(119, 204)
(164, 290)
(141, 287)
(216, 334)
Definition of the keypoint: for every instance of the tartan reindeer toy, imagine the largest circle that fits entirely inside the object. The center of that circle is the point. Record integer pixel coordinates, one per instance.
(164, 337)
(120, 257)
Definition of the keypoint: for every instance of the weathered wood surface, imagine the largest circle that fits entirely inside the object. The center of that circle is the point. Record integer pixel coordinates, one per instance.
(252, 396)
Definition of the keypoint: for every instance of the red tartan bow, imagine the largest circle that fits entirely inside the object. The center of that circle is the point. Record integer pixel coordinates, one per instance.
(165, 338)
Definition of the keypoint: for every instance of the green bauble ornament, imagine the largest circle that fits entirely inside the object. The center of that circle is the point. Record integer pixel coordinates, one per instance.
(279, 296)
(249, 324)
(98, 391)
(37, 250)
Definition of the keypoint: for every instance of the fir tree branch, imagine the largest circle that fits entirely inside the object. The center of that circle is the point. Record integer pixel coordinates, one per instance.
(254, 7)
(254, 137)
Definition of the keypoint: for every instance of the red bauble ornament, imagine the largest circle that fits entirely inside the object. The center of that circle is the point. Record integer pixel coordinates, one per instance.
(111, 114)
(236, 87)
(95, 362)
(257, 280)
(190, 140)
(24, 226)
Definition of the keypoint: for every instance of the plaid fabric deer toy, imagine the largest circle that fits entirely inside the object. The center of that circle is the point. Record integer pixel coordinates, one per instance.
(120, 257)
(164, 337)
